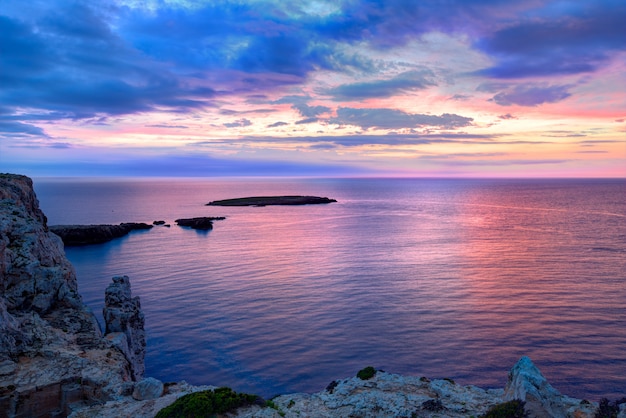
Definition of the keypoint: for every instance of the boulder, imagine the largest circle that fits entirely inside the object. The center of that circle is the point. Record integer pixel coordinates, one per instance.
(149, 388)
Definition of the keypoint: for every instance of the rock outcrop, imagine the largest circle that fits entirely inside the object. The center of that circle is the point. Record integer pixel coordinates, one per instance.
(542, 400)
(95, 234)
(383, 395)
(124, 323)
(272, 200)
(53, 357)
(201, 223)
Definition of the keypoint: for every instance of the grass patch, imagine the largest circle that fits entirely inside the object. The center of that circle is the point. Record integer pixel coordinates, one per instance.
(207, 403)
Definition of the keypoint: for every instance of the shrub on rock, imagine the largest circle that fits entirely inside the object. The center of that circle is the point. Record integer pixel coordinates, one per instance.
(207, 403)
(510, 409)
(366, 373)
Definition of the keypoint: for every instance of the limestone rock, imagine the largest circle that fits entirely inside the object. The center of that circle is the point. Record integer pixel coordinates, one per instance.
(52, 354)
(528, 384)
(149, 388)
(35, 274)
(123, 318)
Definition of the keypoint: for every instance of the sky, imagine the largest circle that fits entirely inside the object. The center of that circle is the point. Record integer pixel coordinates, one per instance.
(449, 88)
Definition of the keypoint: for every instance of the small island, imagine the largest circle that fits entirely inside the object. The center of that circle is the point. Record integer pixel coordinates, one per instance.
(272, 200)
(201, 223)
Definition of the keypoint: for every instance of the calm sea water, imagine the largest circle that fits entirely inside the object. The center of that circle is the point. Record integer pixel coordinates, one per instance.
(438, 278)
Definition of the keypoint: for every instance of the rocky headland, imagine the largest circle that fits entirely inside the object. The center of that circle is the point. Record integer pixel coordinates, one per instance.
(95, 234)
(56, 362)
(272, 200)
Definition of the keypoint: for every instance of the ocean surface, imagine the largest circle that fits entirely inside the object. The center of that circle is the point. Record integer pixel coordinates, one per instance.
(437, 278)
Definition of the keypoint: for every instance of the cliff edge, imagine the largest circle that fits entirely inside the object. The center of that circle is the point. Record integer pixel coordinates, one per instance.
(53, 356)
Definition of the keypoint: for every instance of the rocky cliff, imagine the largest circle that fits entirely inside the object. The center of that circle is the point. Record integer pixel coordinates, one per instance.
(53, 357)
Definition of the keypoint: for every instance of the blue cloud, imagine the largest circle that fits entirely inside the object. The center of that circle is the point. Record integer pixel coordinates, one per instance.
(396, 119)
(573, 41)
(407, 81)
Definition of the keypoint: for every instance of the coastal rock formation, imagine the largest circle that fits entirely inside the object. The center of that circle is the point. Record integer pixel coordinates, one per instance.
(201, 223)
(381, 395)
(124, 323)
(542, 401)
(55, 362)
(95, 234)
(272, 200)
(53, 357)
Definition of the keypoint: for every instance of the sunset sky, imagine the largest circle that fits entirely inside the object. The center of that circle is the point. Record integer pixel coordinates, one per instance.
(455, 88)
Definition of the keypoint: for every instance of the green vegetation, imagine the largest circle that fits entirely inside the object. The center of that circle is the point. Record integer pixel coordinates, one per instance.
(271, 404)
(510, 409)
(207, 403)
(366, 373)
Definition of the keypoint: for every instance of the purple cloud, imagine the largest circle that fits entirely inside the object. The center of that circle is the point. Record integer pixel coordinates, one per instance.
(241, 123)
(532, 95)
(572, 40)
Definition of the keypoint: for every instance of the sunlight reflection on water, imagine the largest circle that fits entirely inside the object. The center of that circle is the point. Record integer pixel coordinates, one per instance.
(443, 278)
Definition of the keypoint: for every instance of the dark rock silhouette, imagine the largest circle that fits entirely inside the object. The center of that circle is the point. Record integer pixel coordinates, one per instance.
(94, 234)
(201, 223)
(272, 200)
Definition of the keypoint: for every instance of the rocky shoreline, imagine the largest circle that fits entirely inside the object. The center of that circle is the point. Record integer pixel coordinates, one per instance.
(55, 361)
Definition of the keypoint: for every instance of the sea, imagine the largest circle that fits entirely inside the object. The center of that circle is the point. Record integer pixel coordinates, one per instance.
(444, 278)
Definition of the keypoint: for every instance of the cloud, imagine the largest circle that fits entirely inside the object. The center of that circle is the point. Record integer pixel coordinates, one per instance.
(15, 129)
(241, 123)
(507, 116)
(168, 126)
(532, 95)
(300, 104)
(402, 83)
(577, 38)
(277, 124)
(76, 67)
(307, 121)
(391, 140)
(311, 111)
(396, 119)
